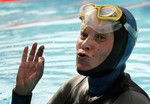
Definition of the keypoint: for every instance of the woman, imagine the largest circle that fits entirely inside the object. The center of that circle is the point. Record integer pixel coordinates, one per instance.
(108, 35)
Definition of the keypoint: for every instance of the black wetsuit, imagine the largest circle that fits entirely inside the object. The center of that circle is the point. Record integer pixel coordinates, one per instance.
(75, 91)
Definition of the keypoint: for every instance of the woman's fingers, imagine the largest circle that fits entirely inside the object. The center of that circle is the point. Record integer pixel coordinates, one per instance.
(32, 52)
(39, 53)
(24, 55)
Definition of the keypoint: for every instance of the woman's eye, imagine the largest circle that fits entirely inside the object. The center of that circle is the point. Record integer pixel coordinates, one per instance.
(100, 37)
(83, 36)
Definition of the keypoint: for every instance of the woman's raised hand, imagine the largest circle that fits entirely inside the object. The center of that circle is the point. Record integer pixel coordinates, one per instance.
(30, 70)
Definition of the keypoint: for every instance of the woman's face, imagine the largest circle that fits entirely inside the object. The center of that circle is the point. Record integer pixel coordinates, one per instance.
(92, 48)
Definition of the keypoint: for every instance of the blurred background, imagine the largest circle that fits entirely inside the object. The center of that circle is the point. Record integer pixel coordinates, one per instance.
(55, 24)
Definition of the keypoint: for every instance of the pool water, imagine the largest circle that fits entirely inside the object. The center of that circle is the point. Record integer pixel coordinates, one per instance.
(55, 24)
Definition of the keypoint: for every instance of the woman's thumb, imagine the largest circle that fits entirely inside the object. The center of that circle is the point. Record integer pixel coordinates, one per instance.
(40, 66)
(41, 61)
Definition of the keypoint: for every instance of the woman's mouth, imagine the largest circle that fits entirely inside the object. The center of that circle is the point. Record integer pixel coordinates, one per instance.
(82, 55)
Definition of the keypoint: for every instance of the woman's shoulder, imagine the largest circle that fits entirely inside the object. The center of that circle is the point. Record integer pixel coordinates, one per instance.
(131, 92)
(132, 97)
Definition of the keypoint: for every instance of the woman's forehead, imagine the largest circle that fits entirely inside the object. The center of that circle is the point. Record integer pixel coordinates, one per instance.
(90, 31)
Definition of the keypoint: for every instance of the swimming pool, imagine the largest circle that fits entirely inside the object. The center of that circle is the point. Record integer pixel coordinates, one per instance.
(56, 25)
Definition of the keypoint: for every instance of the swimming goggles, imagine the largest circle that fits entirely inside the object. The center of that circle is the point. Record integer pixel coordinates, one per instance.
(103, 18)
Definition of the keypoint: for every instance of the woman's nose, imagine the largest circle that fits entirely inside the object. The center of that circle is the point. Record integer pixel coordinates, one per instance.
(87, 44)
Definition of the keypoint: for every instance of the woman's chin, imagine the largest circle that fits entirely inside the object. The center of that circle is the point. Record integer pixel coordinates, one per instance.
(83, 68)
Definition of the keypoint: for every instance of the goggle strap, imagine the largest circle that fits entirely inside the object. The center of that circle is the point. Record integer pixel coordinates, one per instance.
(131, 30)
